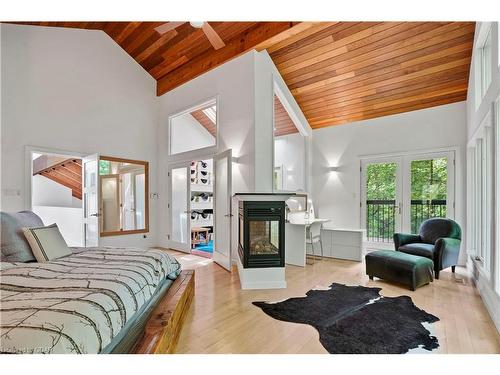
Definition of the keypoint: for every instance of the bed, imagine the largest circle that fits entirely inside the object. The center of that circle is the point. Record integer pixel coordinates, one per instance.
(96, 300)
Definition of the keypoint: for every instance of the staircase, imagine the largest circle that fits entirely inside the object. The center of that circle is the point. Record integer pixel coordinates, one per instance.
(67, 172)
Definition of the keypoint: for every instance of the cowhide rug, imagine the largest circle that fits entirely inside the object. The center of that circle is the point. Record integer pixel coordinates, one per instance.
(358, 320)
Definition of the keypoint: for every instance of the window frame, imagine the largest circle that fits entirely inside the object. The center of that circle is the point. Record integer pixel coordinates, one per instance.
(496, 193)
(212, 149)
(304, 182)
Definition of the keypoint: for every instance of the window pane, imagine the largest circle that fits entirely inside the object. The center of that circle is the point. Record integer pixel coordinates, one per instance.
(380, 201)
(289, 152)
(179, 198)
(486, 64)
(194, 129)
(428, 190)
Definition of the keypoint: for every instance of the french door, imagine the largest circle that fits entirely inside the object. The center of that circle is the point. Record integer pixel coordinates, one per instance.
(222, 201)
(91, 213)
(399, 193)
(179, 206)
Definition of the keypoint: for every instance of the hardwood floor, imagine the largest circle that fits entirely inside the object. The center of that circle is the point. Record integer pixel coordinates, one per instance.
(222, 318)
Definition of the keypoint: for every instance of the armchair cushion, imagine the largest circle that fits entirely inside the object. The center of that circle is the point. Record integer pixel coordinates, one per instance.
(421, 249)
(401, 239)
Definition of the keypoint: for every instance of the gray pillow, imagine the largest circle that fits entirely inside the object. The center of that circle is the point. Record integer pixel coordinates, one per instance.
(15, 247)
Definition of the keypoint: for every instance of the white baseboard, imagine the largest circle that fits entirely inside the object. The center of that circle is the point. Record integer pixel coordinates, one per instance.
(489, 296)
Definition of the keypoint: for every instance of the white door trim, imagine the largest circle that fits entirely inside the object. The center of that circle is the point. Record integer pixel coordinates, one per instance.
(222, 259)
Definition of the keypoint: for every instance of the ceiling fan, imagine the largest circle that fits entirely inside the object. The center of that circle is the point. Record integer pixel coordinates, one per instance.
(212, 36)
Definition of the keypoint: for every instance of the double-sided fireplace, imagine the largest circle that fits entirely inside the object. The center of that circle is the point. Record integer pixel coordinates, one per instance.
(262, 234)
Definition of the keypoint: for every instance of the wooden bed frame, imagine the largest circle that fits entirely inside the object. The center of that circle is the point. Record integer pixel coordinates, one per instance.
(165, 322)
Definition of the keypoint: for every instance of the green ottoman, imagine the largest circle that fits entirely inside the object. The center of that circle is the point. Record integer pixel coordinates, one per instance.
(399, 267)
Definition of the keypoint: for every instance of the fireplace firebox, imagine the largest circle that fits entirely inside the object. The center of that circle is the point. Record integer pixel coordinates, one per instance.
(262, 234)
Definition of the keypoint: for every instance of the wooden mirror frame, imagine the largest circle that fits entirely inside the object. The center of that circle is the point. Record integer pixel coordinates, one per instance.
(146, 198)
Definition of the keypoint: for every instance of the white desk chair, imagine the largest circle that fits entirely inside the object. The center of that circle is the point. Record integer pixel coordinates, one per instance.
(313, 236)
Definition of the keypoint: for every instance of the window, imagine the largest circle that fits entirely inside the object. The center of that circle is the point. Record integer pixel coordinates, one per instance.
(485, 61)
(480, 229)
(193, 129)
(289, 152)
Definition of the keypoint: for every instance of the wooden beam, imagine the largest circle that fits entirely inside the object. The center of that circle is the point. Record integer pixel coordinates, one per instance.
(163, 328)
(213, 58)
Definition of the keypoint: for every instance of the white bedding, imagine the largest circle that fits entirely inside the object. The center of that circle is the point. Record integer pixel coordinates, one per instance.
(77, 304)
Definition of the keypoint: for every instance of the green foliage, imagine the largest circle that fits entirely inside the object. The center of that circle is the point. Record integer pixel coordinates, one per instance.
(104, 167)
(428, 184)
(381, 181)
(428, 179)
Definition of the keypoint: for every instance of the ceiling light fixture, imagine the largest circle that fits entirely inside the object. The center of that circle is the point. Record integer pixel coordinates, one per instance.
(197, 24)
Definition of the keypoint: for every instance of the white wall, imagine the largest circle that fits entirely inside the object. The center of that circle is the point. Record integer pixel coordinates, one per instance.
(337, 195)
(268, 81)
(75, 90)
(54, 203)
(46, 192)
(244, 88)
(68, 220)
(290, 153)
(485, 281)
(188, 134)
(232, 83)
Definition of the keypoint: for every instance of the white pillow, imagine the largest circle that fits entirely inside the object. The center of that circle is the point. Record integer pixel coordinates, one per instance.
(47, 243)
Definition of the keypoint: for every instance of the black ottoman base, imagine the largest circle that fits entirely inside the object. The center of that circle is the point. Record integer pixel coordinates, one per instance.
(408, 269)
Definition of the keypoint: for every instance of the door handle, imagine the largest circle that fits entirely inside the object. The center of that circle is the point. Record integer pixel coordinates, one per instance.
(228, 215)
(96, 215)
(188, 212)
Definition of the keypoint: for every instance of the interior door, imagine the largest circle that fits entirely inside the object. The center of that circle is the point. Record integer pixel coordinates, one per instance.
(179, 207)
(110, 203)
(222, 205)
(381, 204)
(90, 191)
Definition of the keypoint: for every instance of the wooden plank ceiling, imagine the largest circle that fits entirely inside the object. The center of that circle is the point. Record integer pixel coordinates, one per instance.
(350, 71)
(283, 124)
(204, 121)
(67, 173)
(338, 72)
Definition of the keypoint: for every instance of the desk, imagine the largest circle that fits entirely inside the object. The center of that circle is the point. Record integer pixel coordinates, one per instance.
(295, 240)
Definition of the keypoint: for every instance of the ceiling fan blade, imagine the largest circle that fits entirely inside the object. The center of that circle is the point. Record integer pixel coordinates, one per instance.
(166, 27)
(212, 36)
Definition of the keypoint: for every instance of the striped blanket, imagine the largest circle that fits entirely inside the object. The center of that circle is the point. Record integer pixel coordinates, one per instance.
(78, 303)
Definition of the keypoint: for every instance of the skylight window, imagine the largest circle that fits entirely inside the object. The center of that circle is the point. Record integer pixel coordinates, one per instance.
(211, 113)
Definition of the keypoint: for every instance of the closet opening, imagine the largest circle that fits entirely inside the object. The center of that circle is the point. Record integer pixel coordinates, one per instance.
(202, 208)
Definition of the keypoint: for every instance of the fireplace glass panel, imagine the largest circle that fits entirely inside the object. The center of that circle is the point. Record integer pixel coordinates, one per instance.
(264, 237)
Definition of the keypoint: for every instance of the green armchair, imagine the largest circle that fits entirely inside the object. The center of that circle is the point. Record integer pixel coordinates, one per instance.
(438, 239)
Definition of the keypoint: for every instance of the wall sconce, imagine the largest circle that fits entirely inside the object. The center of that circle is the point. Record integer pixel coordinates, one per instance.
(333, 169)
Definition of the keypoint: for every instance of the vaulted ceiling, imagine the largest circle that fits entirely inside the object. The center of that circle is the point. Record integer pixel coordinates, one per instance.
(349, 71)
(338, 72)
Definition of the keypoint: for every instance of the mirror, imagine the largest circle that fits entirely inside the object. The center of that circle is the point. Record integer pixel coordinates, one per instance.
(194, 129)
(124, 205)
